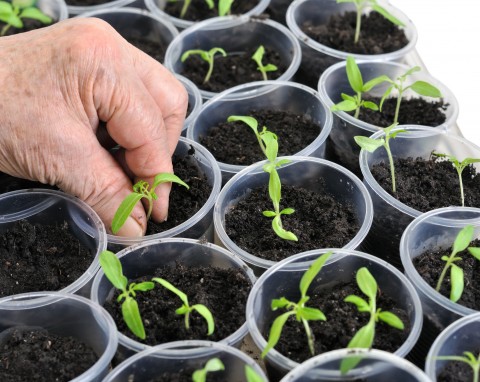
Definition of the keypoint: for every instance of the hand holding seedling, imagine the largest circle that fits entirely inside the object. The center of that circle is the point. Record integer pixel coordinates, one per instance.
(468, 358)
(258, 58)
(12, 13)
(208, 56)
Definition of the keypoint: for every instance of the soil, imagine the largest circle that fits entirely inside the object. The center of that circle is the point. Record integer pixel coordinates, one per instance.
(37, 355)
(10, 183)
(199, 10)
(223, 291)
(186, 376)
(184, 203)
(83, 3)
(456, 371)
(40, 258)
(235, 142)
(154, 48)
(319, 221)
(277, 10)
(343, 321)
(28, 25)
(430, 265)
(234, 69)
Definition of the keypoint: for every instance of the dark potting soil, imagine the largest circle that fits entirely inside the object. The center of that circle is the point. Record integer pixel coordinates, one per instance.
(184, 203)
(428, 184)
(457, 371)
(40, 258)
(82, 3)
(223, 291)
(154, 48)
(28, 25)
(430, 265)
(198, 10)
(234, 69)
(10, 183)
(185, 375)
(235, 142)
(37, 355)
(343, 321)
(319, 221)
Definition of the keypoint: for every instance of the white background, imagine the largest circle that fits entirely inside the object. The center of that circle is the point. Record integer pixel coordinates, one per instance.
(449, 45)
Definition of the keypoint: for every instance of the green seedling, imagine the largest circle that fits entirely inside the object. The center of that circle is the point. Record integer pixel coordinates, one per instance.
(212, 365)
(269, 146)
(264, 69)
(360, 5)
(365, 336)
(13, 13)
(422, 88)
(251, 375)
(112, 268)
(459, 166)
(371, 145)
(186, 5)
(224, 7)
(463, 239)
(355, 102)
(208, 56)
(141, 190)
(302, 313)
(186, 309)
(468, 358)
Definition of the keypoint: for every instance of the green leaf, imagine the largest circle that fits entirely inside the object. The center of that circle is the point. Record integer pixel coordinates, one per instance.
(312, 272)
(202, 53)
(271, 145)
(112, 267)
(210, 4)
(385, 96)
(35, 14)
(368, 144)
(258, 55)
(425, 89)
(463, 239)
(23, 3)
(269, 214)
(5, 8)
(124, 211)
(366, 282)
(144, 286)
(171, 288)
(224, 7)
(131, 316)
(281, 162)
(369, 85)
(270, 68)
(311, 314)
(396, 132)
(346, 105)
(249, 121)
(212, 52)
(207, 315)
(468, 161)
(347, 97)
(456, 281)
(475, 252)
(287, 211)
(363, 338)
(354, 75)
(391, 319)
(274, 187)
(387, 15)
(167, 177)
(411, 71)
(360, 303)
(13, 20)
(445, 258)
(370, 105)
(251, 375)
(278, 303)
(282, 233)
(212, 365)
(275, 332)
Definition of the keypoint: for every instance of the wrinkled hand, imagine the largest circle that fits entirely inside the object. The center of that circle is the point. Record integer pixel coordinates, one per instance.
(56, 84)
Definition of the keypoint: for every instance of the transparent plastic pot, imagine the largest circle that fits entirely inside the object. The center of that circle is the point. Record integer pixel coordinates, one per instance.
(65, 315)
(283, 279)
(195, 102)
(391, 216)
(301, 172)
(56, 9)
(317, 57)
(142, 259)
(39, 206)
(157, 7)
(236, 34)
(183, 355)
(375, 366)
(200, 224)
(75, 10)
(460, 336)
(276, 95)
(334, 82)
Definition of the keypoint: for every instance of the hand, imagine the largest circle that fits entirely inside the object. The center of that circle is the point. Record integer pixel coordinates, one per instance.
(57, 83)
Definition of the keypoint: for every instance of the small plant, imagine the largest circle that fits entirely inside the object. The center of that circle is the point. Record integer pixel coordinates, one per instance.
(258, 57)
(269, 146)
(302, 313)
(355, 102)
(371, 145)
(360, 5)
(212, 365)
(364, 337)
(468, 358)
(141, 190)
(459, 166)
(208, 56)
(251, 375)
(13, 13)
(224, 6)
(186, 309)
(463, 239)
(112, 268)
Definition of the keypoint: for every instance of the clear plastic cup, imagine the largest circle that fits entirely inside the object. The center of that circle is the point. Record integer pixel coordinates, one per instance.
(158, 6)
(303, 172)
(375, 366)
(283, 279)
(65, 315)
(391, 216)
(318, 12)
(183, 355)
(334, 82)
(39, 206)
(195, 102)
(74, 10)
(277, 95)
(142, 259)
(200, 224)
(236, 34)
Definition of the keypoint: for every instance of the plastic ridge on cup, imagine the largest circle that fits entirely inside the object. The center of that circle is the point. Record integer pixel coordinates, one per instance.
(74, 10)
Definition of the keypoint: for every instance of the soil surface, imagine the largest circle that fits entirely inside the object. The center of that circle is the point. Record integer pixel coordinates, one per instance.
(430, 265)
(186, 376)
(319, 221)
(10, 183)
(154, 48)
(83, 3)
(236, 143)
(198, 10)
(234, 69)
(184, 203)
(343, 321)
(37, 355)
(28, 25)
(223, 291)
(457, 371)
(40, 258)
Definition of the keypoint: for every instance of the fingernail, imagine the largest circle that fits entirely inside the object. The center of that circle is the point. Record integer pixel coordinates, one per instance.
(131, 228)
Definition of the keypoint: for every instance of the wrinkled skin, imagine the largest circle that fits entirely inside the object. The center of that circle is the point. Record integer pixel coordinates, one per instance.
(56, 84)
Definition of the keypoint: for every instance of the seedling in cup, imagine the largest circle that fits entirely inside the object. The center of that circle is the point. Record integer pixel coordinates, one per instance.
(142, 190)
(12, 13)
(264, 69)
(302, 313)
(468, 358)
(223, 6)
(206, 55)
(212, 365)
